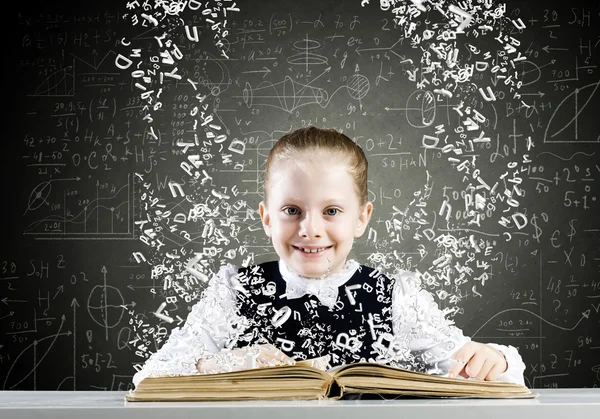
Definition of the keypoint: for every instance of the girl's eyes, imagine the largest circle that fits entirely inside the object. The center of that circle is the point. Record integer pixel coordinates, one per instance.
(334, 209)
(296, 209)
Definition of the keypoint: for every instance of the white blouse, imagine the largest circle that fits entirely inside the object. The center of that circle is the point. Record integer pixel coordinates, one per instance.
(420, 327)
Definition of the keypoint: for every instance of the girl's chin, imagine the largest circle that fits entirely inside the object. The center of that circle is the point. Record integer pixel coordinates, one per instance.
(310, 271)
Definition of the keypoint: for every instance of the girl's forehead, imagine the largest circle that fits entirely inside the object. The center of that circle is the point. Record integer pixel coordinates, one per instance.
(314, 169)
(317, 160)
(331, 182)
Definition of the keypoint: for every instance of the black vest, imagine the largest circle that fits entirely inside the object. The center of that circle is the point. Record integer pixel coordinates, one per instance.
(306, 328)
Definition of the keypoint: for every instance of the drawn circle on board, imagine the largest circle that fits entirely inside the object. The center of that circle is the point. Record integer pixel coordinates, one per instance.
(247, 95)
(289, 95)
(306, 58)
(420, 109)
(38, 196)
(358, 86)
(321, 95)
(306, 44)
(99, 308)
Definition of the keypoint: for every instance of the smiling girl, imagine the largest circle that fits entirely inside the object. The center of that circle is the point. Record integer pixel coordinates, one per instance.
(313, 300)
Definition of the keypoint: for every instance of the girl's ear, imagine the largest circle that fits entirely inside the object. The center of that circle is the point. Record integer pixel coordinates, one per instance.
(363, 219)
(265, 218)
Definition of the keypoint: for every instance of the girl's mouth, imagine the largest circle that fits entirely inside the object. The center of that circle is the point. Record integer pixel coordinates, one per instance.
(312, 253)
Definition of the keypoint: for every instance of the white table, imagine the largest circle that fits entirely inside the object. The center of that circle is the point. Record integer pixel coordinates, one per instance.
(550, 404)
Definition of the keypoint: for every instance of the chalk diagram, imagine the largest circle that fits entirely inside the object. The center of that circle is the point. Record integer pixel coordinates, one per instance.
(106, 301)
(59, 83)
(222, 78)
(33, 355)
(530, 72)
(108, 216)
(358, 86)
(420, 109)
(570, 107)
(305, 57)
(288, 95)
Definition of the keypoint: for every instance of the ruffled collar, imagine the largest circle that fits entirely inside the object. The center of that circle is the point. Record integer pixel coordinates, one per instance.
(326, 289)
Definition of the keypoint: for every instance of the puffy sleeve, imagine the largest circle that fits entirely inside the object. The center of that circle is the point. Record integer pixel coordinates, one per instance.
(213, 324)
(423, 329)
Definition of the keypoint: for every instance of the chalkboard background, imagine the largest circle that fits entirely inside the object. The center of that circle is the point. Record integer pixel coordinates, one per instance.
(107, 200)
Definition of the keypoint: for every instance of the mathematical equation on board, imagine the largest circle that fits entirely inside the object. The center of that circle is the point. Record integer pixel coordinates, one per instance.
(476, 118)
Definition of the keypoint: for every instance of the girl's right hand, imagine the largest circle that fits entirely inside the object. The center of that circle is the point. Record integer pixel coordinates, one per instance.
(257, 356)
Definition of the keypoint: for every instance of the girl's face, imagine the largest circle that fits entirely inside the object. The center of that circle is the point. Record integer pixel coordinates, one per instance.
(313, 204)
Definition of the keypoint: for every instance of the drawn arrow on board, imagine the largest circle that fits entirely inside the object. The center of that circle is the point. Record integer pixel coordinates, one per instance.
(390, 49)
(59, 289)
(104, 271)
(324, 71)
(540, 94)
(133, 287)
(266, 71)
(536, 67)
(71, 178)
(74, 304)
(10, 313)
(547, 48)
(5, 300)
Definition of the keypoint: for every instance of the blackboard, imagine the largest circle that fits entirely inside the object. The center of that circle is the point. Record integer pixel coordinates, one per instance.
(137, 133)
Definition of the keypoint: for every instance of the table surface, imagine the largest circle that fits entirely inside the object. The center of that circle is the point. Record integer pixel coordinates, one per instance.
(551, 403)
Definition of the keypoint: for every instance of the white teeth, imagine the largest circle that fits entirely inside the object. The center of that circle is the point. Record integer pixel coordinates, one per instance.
(313, 251)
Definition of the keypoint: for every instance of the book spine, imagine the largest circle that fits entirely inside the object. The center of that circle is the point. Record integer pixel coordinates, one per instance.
(334, 390)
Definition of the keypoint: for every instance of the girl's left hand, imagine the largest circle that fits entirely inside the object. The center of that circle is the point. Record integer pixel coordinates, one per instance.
(478, 360)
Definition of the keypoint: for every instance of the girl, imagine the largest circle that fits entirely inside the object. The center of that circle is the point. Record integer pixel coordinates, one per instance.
(313, 301)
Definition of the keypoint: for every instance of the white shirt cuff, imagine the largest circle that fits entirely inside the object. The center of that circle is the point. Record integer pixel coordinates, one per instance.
(516, 367)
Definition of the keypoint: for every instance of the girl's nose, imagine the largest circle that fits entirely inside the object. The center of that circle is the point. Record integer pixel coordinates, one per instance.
(311, 226)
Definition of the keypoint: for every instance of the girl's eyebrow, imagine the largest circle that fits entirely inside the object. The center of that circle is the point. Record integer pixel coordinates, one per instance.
(326, 202)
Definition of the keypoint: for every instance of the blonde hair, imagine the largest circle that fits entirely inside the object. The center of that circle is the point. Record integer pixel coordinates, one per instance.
(313, 139)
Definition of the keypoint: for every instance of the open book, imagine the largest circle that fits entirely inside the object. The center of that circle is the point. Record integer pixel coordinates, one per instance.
(308, 380)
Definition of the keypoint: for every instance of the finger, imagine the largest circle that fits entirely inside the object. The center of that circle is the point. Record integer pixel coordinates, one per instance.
(475, 364)
(460, 359)
(495, 372)
(457, 368)
(457, 363)
(502, 363)
(485, 369)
